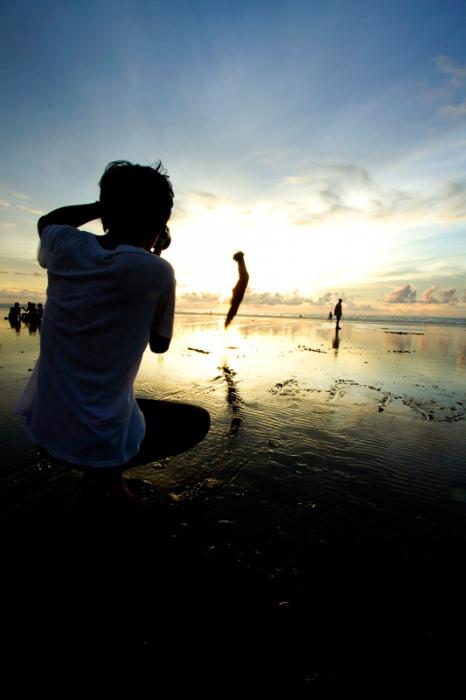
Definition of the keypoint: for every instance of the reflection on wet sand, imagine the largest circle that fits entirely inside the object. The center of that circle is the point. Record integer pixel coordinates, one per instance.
(233, 401)
(300, 372)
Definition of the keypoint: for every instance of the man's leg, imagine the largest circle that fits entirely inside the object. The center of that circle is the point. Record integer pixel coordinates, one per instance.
(109, 481)
(171, 428)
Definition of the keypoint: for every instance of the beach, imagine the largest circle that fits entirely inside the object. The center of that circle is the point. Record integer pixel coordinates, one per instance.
(323, 518)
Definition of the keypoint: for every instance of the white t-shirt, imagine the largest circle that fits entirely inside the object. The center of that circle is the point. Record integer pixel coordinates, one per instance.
(101, 305)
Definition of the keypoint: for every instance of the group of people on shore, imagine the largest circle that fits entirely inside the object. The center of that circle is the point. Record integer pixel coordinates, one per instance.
(31, 315)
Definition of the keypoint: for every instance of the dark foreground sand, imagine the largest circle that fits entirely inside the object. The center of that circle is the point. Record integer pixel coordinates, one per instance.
(221, 592)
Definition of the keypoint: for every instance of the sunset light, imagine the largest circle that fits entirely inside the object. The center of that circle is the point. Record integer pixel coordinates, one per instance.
(334, 162)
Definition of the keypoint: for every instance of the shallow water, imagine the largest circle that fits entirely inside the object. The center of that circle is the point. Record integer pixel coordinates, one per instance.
(375, 416)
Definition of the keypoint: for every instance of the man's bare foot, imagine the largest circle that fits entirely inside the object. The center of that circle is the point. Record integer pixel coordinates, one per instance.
(105, 485)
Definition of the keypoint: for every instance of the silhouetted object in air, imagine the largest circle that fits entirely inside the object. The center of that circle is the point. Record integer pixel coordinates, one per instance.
(107, 298)
(239, 289)
(338, 313)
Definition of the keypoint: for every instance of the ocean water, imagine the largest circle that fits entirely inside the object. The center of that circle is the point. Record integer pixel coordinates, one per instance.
(374, 416)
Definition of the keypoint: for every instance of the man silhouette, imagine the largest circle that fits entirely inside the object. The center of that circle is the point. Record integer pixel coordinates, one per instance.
(107, 298)
(338, 313)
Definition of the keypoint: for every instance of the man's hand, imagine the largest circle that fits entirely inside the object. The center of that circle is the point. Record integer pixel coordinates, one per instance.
(158, 343)
(162, 242)
(76, 216)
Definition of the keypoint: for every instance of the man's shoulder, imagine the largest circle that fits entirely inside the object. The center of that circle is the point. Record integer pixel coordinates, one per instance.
(156, 262)
(151, 264)
(55, 236)
(53, 230)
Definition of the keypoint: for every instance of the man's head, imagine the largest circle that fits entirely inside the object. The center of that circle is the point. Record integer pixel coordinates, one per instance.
(136, 202)
(340, 300)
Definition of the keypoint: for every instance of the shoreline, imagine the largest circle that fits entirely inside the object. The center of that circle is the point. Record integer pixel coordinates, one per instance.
(405, 320)
(454, 321)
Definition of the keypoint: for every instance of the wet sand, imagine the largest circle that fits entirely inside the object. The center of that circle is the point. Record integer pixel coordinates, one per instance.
(315, 539)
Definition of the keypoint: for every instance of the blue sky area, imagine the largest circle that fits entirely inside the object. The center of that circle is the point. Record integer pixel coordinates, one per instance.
(327, 139)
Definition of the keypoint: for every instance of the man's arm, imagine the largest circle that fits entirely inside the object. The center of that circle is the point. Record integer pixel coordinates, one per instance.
(158, 343)
(76, 215)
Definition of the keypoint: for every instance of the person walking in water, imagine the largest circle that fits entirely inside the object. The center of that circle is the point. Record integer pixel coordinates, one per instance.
(338, 313)
(108, 297)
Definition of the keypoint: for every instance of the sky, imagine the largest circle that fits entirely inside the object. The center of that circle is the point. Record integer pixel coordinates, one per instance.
(324, 138)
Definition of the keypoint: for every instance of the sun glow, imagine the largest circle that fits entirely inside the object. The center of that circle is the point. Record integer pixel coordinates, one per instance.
(282, 257)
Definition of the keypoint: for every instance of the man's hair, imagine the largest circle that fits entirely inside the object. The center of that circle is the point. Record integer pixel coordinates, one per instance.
(140, 195)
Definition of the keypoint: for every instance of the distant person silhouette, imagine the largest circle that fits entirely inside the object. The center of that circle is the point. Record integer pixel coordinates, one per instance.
(14, 316)
(31, 317)
(26, 311)
(15, 312)
(338, 313)
(330, 316)
(107, 298)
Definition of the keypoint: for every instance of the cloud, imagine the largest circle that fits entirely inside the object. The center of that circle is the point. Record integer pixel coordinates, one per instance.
(444, 296)
(354, 194)
(455, 110)
(7, 224)
(251, 298)
(8, 295)
(199, 297)
(275, 299)
(455, 73)
(206, 200)
(432, 295)
(428, 297)
(266, 158)
(403, 295)
(350, 170)
(321, 171)
(190, 200)
(447, 296)
(454, 90)
(425, 268)
(292, 299)
(30, 274)
(3, 203)
(19, 195)
(447, 203)
(29, 209)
